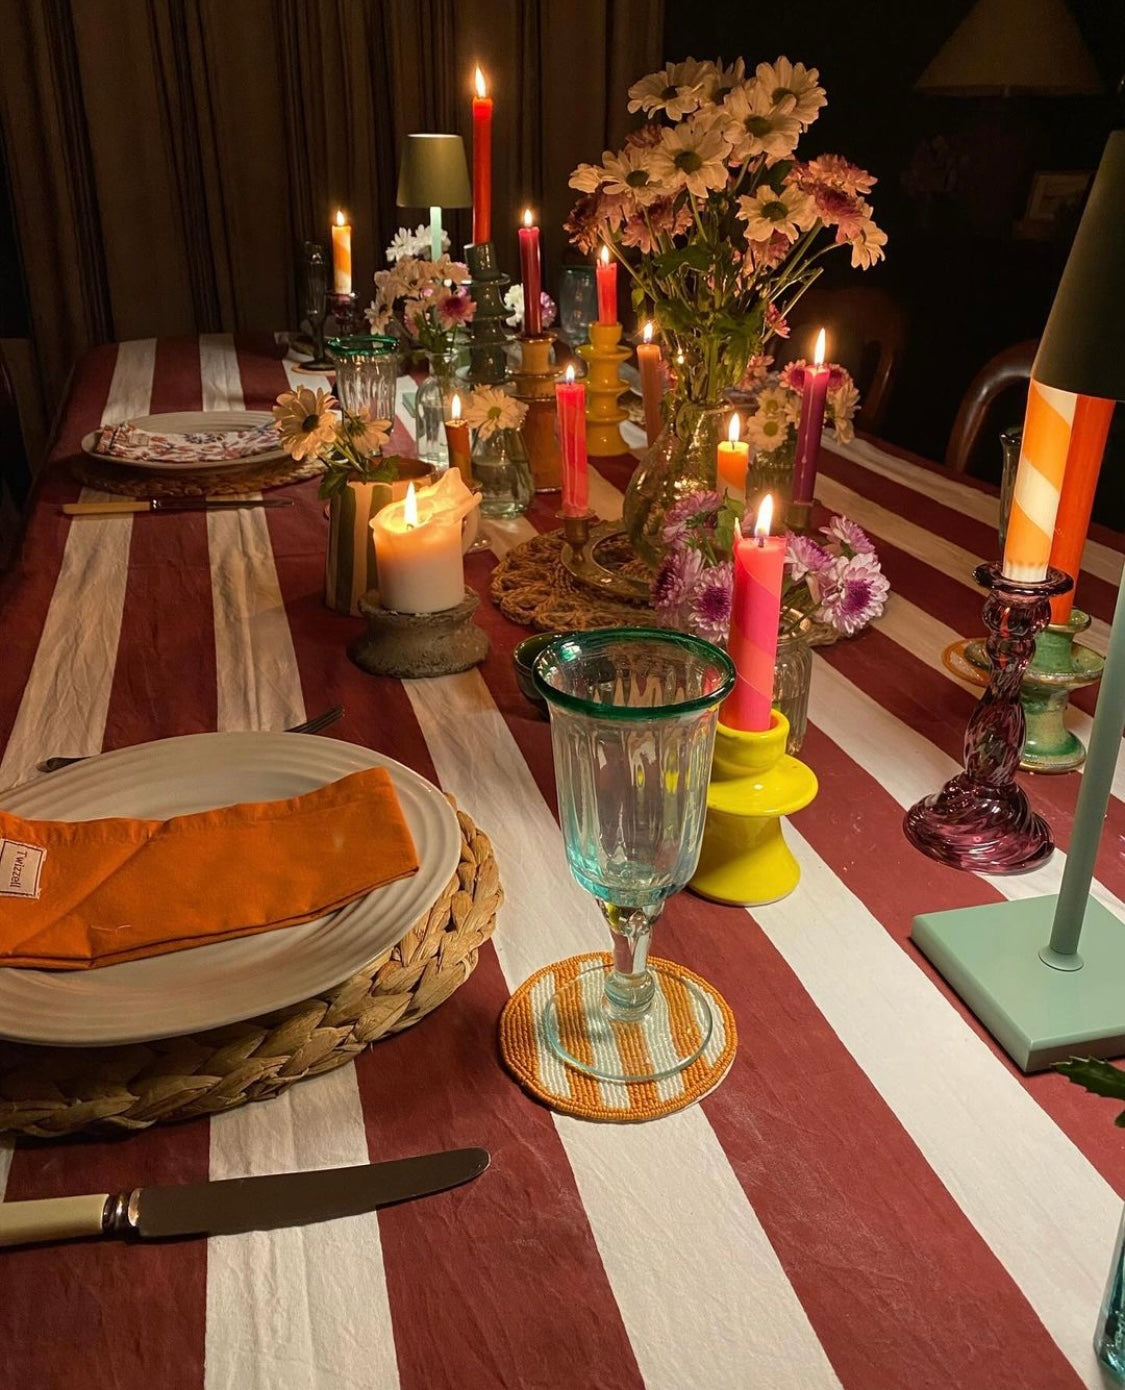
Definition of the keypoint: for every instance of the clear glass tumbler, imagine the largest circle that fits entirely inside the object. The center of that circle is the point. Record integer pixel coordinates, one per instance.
(1010, 442)
(367, 369)
(633, 716)
(578, 302)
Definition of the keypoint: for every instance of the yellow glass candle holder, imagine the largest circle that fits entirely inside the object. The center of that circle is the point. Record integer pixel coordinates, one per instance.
(603, 356)
(754, 782)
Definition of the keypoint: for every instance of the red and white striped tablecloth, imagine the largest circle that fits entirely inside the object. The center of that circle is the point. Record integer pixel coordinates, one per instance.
(874, 1197)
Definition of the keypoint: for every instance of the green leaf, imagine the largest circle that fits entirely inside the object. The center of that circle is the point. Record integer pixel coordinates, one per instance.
(1097, 1077)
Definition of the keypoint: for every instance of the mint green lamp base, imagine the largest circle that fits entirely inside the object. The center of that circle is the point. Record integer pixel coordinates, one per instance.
(1038, 1013)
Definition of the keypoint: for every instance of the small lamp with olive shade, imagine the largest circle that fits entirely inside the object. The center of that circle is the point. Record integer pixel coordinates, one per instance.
(1017, 963)
(433, 174)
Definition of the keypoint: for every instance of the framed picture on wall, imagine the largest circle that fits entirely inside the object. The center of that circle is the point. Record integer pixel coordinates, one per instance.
(1056, 193)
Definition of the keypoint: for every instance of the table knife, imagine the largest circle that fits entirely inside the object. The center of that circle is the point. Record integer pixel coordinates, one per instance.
(235, 1205)
(170, 504)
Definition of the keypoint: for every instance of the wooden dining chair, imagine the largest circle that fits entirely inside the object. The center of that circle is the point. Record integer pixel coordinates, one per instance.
(866, 331)
(1008, 368)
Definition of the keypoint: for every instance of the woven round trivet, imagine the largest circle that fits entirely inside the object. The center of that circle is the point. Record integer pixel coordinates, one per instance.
(531, 586)
(562, 1087)
(230, 482)
(47, 1092)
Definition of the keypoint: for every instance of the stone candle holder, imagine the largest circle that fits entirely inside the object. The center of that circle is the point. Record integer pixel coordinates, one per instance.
(414, 645)
(603, 356)
(754, 782)
(535, 386)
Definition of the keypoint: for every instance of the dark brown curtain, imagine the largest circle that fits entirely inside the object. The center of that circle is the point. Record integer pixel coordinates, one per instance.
(167, 157)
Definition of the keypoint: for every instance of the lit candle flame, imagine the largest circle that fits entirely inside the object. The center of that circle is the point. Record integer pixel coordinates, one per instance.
(455, 408)
(340, 218)
(647, 334)
(734, 434)
(765, 518)
(679, 359)
(478, 78)
(568, 375)
(605, 254)
(528, 221)
(410, 509)
(818, 355)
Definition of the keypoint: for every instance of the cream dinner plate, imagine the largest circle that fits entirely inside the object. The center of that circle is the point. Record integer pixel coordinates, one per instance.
(208, 986)
(191, 422)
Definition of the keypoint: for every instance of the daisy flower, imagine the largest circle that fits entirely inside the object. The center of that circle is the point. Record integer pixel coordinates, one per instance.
(366, 435)
(587, 178)
(721, 81)
(711, 602)
(765, 213)
(305, 421)
(867, 242)
(769, 426)
(677, 90)
(852, 593)
(489, 409)
(676, 578)
(513, 302)
(845, 532)
(843, 401)
(402, 244)
(630, 174)
(756, 126)
(792, 87)
(691, 155)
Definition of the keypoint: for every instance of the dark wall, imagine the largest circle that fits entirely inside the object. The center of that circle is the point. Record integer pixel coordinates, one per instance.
(969, 284)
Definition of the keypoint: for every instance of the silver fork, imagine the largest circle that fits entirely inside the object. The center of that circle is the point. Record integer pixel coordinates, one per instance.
(309, 726)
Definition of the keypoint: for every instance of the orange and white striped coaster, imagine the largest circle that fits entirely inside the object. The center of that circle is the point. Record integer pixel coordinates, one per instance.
(592, 1037)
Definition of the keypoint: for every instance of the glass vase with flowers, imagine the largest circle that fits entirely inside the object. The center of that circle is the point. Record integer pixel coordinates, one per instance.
(721, 229)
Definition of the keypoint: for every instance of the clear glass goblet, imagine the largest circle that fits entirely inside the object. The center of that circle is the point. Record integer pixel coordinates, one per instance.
(633, 715)
(314, 302)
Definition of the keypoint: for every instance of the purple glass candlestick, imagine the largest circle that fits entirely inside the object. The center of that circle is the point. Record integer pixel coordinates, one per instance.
(981, 819)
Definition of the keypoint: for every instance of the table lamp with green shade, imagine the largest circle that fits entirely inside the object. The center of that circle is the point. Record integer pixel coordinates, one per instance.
(1017, 964)
(433, 174)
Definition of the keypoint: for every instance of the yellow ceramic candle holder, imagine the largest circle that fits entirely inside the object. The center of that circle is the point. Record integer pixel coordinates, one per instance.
(535, 386)
(754, 782)
(603, 356)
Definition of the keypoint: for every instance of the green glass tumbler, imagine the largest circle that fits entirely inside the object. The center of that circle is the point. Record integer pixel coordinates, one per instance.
(633, 716)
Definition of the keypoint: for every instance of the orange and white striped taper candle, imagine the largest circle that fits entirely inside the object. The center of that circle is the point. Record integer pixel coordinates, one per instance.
(1035, 501)
(1092, 417)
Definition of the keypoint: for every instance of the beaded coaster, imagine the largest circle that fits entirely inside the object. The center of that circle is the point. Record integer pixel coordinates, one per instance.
(541, 1072)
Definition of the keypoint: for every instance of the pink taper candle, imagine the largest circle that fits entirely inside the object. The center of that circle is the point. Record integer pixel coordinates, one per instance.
(530, 273)
(482, 161)
(652, 382)
(607, 287)
(811, 427)
(759, 563)
(570, 398)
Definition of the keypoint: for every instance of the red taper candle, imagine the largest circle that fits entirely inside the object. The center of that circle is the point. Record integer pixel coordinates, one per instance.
(570, 399)
(811, 427)
(482, 161)
(607, 287)
(653, 382)
(531, 275)
(759, 564)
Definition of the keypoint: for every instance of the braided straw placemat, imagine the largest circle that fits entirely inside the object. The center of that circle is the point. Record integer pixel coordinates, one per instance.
(588, 1033)
(48, 1091)
(531, 586)
(225, 482)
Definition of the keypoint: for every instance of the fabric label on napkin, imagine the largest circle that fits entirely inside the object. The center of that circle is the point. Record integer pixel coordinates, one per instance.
(20, 867)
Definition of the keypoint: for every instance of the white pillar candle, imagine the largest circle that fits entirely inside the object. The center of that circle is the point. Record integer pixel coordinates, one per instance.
(418, 547)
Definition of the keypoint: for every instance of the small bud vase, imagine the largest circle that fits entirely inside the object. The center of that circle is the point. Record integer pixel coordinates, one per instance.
(683, 460)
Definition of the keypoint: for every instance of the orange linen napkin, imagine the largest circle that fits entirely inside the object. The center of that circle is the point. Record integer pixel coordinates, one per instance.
(85, 893)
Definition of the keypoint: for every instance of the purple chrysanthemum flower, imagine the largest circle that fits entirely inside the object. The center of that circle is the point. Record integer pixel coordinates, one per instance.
(711, 602)
(675, 578)
(804, 556)
(847, 533)
(683, 514)
(853, 593)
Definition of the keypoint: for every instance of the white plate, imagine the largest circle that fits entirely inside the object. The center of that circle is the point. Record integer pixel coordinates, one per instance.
(209, 986)
(189, 422)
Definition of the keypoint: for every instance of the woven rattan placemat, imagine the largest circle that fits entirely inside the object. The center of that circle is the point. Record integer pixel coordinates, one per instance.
(530, 585)
(49, 1092)
(536, 1067)
(231, 482)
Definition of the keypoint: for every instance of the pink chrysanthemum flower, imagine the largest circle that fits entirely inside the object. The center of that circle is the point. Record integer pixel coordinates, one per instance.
(853, 593)
(711, 602)
(846, 533)
(803, 556)
(454, 310)
(675, 578)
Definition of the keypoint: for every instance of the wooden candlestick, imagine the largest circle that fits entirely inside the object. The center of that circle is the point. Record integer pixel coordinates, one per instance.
(603, 356)
(535, 386)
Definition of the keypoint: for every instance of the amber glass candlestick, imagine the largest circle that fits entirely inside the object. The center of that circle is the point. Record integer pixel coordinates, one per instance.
(603, 356)
(535, 386)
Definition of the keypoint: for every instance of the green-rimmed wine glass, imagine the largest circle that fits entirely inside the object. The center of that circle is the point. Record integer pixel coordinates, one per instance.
(633, 715)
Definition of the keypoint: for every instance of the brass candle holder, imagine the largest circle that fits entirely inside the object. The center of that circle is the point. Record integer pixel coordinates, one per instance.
(535, 386)
(576, 532)
(603, 356)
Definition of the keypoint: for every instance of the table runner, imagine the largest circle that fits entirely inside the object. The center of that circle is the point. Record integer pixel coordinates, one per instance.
(874, 1197)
